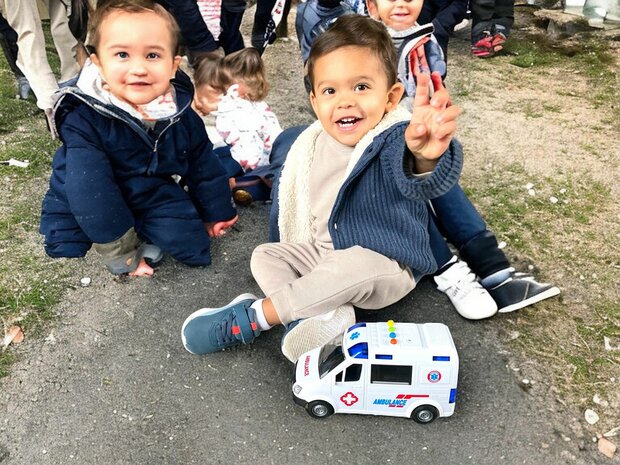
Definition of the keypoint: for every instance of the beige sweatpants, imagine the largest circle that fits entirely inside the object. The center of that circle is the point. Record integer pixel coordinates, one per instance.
(304, 280)
(23, 16)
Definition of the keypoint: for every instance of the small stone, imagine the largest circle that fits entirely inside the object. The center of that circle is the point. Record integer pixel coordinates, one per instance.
(562, 191)
(529, 185)
(531, 192)
(606, 447)
(85, 282)
(502, 245)
(591, 416)
(553, 199)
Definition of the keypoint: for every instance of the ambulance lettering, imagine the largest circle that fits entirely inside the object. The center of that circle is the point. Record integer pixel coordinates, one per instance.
(307, 366)
(399, 402)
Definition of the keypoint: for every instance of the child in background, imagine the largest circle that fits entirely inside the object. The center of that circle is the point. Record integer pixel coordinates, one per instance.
(127, 130)
(351, 200)
(243, 119)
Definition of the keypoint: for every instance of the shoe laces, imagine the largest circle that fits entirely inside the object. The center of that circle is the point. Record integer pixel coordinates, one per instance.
(464, 280)
(223, 330)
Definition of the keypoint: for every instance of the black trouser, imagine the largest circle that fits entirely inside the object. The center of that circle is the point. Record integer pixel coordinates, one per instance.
(230, 20)
(489, 13)
(8, 42)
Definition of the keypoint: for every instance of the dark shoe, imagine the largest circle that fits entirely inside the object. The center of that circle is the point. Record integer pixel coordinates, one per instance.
(521, 290)
(250, 189)
(212, 329)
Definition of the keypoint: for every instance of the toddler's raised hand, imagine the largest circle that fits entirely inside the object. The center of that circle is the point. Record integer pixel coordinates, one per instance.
(433, 123)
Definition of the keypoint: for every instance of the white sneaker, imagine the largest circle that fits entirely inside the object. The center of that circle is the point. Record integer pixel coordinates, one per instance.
(470, 299)
(304, 335)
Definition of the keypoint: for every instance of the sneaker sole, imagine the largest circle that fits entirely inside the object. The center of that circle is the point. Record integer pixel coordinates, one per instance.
(210, 311)
(315, 332)
(551, 292)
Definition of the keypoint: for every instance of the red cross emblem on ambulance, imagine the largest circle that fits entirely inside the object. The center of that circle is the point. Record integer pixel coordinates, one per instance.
(349, 399)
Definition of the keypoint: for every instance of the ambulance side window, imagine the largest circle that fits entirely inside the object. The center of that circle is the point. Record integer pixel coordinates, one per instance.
(391, 374)
(352, 373)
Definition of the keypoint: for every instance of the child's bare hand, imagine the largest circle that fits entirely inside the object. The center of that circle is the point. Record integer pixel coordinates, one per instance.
(219, 228)
(433, 123)
(206, 99)
(142, 270)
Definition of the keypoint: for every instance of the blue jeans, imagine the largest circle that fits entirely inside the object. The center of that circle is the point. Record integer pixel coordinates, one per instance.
(455, 218)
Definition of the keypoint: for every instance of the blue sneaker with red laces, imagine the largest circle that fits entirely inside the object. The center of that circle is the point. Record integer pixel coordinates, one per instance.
(213, 329)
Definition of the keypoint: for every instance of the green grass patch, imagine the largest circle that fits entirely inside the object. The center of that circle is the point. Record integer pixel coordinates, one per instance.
(522, 219)
(31, 285)
(590, 57)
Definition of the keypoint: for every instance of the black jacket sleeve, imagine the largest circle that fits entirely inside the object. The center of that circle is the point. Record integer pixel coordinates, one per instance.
(195, 34)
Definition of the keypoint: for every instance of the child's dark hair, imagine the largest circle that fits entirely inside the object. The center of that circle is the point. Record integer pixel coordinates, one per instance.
(356, 31)
(244, 65)
(106, 7)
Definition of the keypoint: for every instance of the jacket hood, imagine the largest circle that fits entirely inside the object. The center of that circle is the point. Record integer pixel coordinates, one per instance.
(85, 90)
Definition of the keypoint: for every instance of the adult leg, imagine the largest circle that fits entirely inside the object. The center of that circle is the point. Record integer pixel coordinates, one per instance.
(232, 14)
(482, 17)
(64, 41)
(23, 16)
(504, 16)
(8, 41)
(263, 29)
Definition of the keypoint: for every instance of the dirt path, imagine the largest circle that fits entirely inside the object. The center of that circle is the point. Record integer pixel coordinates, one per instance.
(111, 379)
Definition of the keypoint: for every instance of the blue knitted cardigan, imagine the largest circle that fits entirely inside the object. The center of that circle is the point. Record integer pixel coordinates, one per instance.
(381, 205)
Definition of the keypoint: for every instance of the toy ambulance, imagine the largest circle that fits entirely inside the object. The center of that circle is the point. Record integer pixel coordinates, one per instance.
(395, 369)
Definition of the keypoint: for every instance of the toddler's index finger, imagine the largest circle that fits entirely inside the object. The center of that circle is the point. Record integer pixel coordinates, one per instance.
(423, 90)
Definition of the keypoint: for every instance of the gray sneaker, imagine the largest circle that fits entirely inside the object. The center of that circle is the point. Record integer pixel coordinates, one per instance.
(304, 335)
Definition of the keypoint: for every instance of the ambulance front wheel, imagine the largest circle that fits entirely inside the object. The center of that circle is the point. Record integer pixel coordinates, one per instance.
(424, 414)
(319, 409)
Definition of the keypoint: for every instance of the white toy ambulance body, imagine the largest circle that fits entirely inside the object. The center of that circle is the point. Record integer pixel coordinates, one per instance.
(395, 369)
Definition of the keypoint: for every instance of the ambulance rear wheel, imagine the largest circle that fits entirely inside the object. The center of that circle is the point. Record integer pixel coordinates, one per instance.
(319, 409)
(424, 414)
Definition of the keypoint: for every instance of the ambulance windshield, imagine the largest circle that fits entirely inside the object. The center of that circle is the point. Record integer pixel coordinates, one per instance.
(330, 357)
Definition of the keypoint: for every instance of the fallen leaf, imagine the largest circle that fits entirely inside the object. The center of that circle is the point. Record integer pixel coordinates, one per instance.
(13, 334)
(606, 447)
